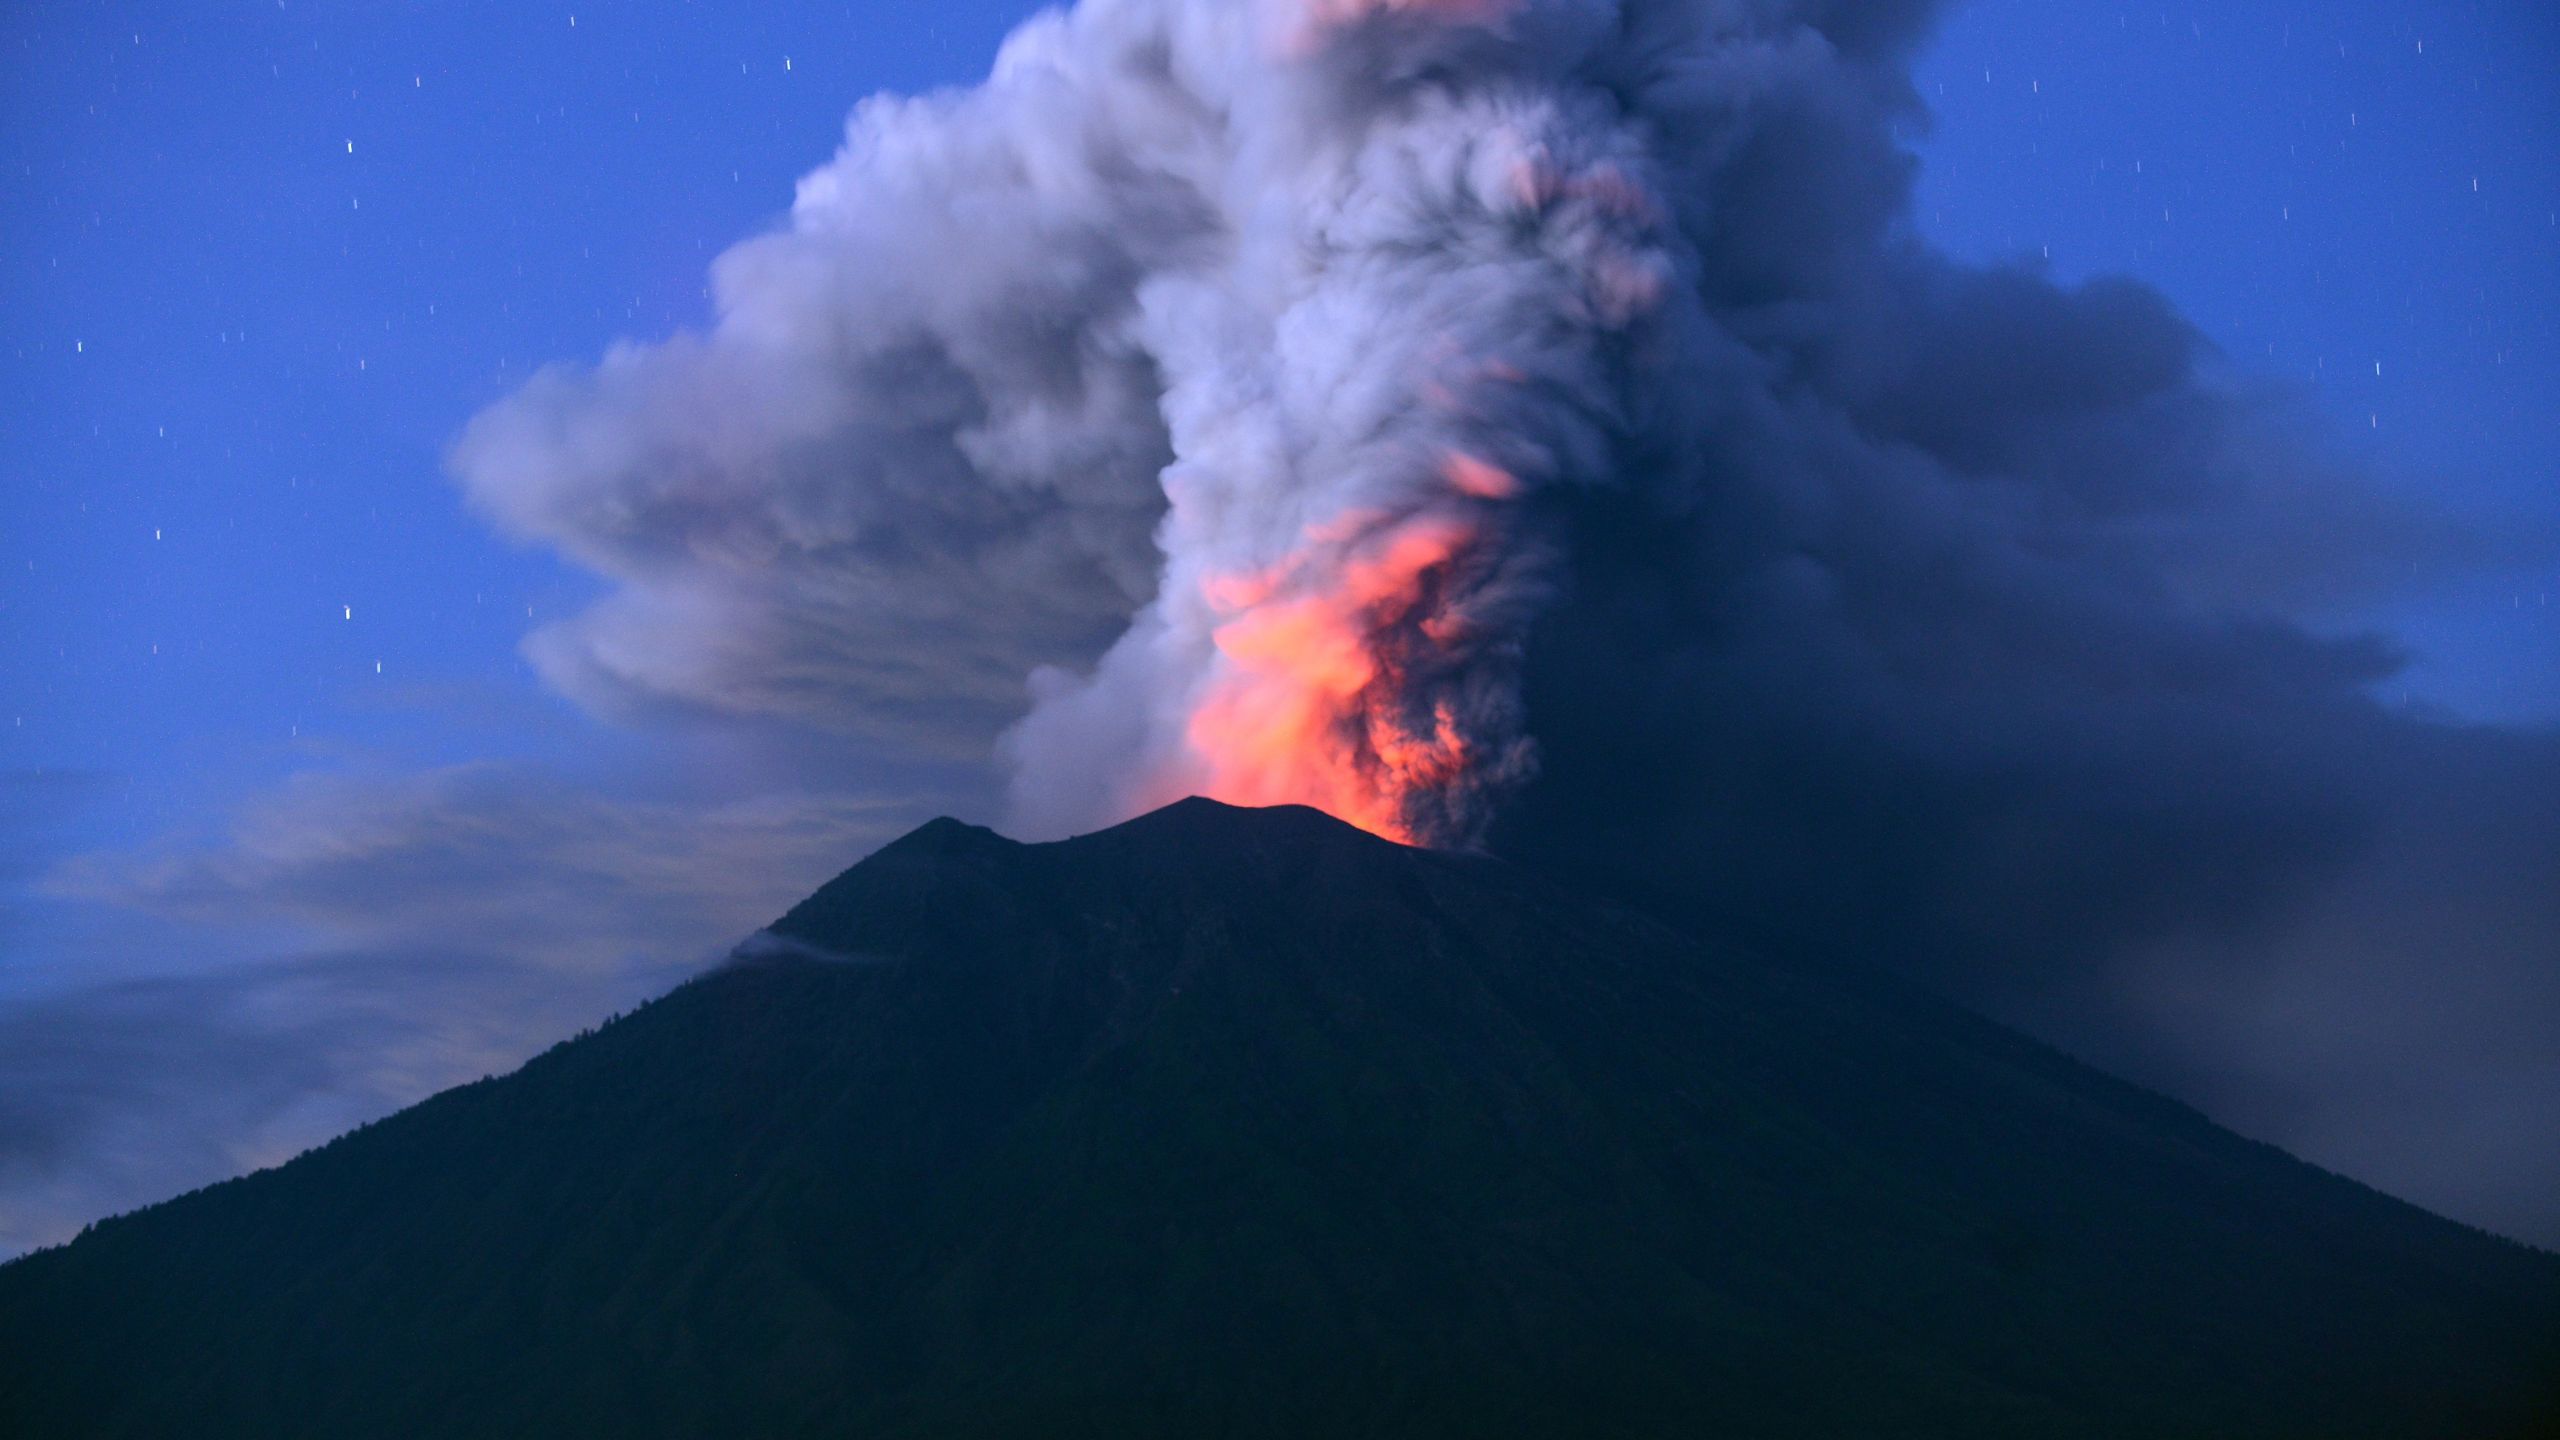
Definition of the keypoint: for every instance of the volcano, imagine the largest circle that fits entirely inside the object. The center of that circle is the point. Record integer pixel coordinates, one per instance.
(1237, 1122)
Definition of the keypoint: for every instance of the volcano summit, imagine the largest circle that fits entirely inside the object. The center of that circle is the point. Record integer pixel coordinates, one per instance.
(1246, 1122)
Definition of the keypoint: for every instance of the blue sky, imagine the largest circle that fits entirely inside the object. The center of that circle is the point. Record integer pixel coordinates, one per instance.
(259, 265)
(2324, 190)
(237, 349)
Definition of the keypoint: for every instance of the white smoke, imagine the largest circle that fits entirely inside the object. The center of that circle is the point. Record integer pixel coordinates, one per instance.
(1431, 250)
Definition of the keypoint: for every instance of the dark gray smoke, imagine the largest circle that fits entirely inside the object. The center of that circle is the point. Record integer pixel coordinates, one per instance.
(1536, 423)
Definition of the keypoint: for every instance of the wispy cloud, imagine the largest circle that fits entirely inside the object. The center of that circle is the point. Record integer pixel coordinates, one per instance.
(438, 927)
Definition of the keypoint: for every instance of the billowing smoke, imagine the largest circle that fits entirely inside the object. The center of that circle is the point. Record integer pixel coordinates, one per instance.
(1537, 424)
(1435, 280)
(1318, 292)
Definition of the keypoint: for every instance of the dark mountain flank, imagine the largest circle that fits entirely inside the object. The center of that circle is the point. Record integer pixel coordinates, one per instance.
(1237, 1122)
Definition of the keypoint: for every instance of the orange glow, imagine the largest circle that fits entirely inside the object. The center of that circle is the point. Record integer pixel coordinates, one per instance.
(1479, 479)
(1312, 703)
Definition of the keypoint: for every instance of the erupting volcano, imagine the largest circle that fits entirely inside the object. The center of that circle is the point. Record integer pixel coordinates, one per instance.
(1241, 1123)
(1549, 428)
(1559, 437)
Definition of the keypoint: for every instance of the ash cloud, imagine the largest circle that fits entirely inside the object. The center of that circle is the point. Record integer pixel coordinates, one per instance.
(1891, 610)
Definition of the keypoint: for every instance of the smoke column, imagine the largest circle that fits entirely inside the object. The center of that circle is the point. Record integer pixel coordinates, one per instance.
(1429, 260)
(1326, 292)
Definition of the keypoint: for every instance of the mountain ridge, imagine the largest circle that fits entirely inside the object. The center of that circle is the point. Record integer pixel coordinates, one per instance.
(1248, 1122)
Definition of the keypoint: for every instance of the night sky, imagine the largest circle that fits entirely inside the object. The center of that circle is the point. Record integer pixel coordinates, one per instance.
(293, 833)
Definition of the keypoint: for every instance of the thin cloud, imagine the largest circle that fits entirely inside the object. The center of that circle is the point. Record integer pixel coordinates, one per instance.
(438, 926)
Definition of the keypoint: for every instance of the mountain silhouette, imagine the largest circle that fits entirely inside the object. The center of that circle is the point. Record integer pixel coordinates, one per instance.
(1246, 1123)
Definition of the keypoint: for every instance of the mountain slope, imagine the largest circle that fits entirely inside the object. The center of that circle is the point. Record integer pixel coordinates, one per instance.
(1234, 1122)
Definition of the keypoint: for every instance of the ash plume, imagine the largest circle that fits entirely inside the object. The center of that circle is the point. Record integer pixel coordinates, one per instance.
(1316, 296)
(1537, 424)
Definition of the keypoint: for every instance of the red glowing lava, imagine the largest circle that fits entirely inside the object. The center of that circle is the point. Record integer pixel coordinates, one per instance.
(1315, 702)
